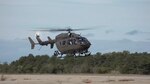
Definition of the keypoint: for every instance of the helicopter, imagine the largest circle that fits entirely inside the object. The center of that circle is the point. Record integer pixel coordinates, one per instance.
(67, 43)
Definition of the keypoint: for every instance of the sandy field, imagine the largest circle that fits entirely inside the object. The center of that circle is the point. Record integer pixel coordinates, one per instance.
(74, 79)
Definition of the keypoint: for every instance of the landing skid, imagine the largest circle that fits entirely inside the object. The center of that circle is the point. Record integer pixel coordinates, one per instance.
(80, 54)
(83, 54)
(58, 54)
(87, 53)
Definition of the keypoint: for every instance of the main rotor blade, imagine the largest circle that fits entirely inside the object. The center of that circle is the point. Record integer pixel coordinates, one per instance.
(69, 29)
(58, 30)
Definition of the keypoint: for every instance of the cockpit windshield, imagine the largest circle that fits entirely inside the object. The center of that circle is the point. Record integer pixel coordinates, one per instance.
(82, 40)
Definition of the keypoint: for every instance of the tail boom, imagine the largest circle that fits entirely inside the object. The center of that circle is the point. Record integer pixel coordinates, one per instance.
(42, 43)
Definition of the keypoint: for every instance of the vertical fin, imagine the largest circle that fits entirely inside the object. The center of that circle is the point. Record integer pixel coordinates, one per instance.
(51, 42)
(38, 39)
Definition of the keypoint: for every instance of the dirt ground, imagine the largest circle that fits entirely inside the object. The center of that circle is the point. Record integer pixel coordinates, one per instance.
(74, 79)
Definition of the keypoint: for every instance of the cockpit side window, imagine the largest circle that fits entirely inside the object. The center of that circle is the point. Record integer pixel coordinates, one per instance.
(75, 42)
(70, 42)
(82, 40)
(64, 42)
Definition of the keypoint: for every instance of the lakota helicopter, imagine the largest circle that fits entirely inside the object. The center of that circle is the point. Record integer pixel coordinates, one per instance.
(66, 43)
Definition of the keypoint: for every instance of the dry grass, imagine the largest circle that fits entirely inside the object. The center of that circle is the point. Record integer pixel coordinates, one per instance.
(110, 80)
(27, 79)
(13, 79)
(126, 80)
(59, 81)
(3, 78)
(73, 79)
(87, 81)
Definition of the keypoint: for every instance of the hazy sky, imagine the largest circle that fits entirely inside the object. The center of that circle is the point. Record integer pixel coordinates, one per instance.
(118, 24)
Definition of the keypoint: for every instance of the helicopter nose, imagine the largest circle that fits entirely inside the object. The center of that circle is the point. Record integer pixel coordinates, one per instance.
(89, 44)
(86, 45)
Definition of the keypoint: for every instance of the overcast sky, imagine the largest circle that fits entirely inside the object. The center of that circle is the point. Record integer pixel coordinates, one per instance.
(117, 24)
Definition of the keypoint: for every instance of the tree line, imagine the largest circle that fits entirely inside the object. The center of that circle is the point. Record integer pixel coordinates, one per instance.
(114, 62)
